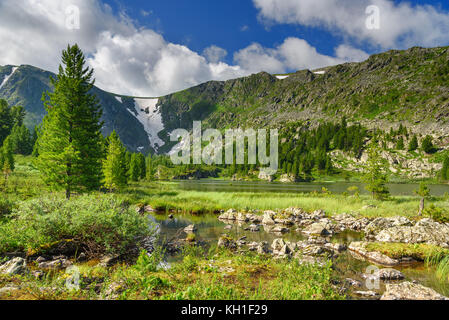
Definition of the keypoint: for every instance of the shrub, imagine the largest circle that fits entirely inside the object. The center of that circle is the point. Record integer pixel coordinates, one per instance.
(5, 207)
(437, 214)
(97, 224)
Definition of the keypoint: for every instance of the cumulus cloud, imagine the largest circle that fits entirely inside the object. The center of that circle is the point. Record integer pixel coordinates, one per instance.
(293, 54)
(401, 24)
(132, 60)
(127, 59)
(215, 54)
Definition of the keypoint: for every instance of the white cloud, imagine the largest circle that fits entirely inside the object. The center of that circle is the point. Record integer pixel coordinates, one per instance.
(401, 24)
(215, 54)
(293, 54)
(129, 59)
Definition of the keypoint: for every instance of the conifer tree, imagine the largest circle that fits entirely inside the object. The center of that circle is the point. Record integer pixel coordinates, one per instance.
(445, 169)
(413, 144)
(427, 145)
(114, 166)
(7, 164)
(6, 120)
(134, 168)
(375, 176)
(142, 166)
(70, 145)
(21, 140)
(400, 144)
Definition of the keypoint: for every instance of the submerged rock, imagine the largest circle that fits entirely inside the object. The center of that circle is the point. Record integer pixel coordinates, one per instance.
(411, 291)
(190, 229)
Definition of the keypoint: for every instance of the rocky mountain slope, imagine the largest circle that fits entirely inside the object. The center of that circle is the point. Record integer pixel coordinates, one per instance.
(24, 85)
(397, 87)
(409, 87)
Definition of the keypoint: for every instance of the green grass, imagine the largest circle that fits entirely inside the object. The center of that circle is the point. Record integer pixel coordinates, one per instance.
(421, 252)
(213, 275)
(167, 196)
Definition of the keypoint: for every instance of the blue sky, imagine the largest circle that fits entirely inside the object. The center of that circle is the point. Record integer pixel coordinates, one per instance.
(156, 47)
(230, 24)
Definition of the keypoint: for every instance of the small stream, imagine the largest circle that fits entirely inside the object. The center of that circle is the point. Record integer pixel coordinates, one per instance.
(210, 229)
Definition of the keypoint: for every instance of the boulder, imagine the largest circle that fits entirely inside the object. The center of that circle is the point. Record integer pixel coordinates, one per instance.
(279, 229)
(263, 175)
(228, 215)
(15, 266)
(319, 228)
(268, 218)
(390, 274)
(57, 264)
(277, 245)
(226, 242)
(424, 231)
(410, 291)
(379, 224)
(241, 217)
(190, 229)
(359, 251)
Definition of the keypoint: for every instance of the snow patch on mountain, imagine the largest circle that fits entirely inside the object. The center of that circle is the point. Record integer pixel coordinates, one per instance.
(149, 115)
(119, 99)
(5, 80)
(320, 72)
(282, 77)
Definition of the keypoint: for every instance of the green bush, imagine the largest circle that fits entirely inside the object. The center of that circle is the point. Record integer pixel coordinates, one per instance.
(437, 214)
(97, 224)
(5, 207)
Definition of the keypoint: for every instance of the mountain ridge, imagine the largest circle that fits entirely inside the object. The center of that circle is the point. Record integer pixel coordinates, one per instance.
(396, 87)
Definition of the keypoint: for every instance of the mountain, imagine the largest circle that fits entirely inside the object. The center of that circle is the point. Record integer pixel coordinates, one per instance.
(24, 85)
(408, 87)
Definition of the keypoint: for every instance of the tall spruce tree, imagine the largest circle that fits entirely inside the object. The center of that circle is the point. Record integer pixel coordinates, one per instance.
(445, 169)
(375, 176)
(114, 166)
(70, 144)
(134, 168)
(7, 164)
(413, 144)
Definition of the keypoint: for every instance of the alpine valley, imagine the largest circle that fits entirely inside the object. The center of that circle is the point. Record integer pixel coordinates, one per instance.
(396, 89)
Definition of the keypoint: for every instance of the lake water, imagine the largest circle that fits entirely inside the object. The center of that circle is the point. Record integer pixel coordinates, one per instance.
(396, 189)
(210, 229)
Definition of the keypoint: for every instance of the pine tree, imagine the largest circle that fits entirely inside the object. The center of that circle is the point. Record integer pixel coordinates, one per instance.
(400, 144)
(114, 166)
(7, 164)
(134, 168)
(427, 145)
(413, 144)
(142, 166)
(21, 140)
(375, 176)
(6, 121)
(70, 144)
(445, 169)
